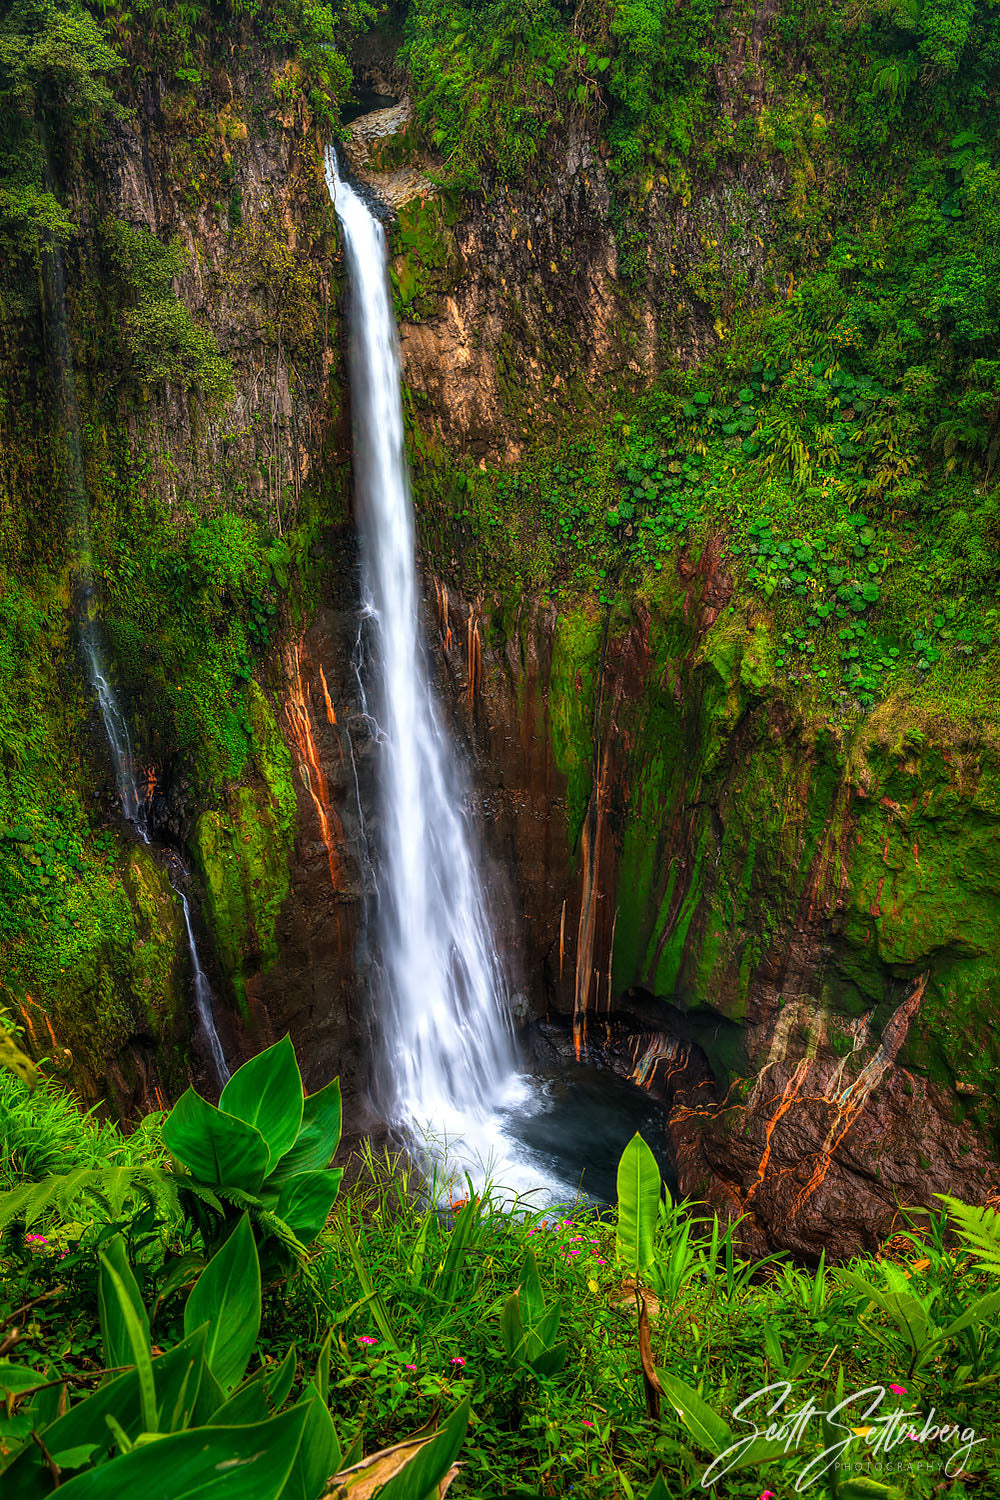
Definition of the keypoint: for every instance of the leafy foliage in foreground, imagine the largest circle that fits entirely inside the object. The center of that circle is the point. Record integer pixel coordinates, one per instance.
(588, 1356)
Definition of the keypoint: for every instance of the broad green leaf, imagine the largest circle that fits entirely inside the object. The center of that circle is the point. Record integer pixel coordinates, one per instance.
(267, 1093)
(319, 1451)
(248, 1404)
(638, 1205)
(705, 1426)
(135, 1335)
(215, 1147)
(321, 1379)
(279, 1381)
(178, 1385)
(85, 1423)
(211, 1396)
(659, 1490)
(115, 1334)
(226, 1296)
(205, 1463)
(462, 1234)
(425, 1472)
(305, 1201)
(14, 1379)
(983, 1307)
(550, 1360)
(319, 1134)
(511, 1329)
(74, 1458)
(530, 1291)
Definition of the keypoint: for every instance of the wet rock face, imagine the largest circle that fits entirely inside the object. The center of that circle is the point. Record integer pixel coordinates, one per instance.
(780, 927)
(316, 988)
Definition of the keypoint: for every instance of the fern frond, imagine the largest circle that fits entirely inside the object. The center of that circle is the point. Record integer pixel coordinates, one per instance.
(107, 1188)
(978, 1229)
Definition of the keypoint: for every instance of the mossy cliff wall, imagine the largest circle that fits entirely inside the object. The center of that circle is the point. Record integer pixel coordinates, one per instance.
(205, 400)
(782, 923)
(773, 906)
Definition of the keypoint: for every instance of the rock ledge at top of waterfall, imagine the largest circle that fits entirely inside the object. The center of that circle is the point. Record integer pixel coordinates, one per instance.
(403, 184)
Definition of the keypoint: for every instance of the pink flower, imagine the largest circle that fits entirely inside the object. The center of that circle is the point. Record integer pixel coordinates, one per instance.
(574, 1252)
(409, 1367)
(601, 1262)
(458, 1360)
(586, 1423)
(36, 1239)
(898, 1390)
(366, 1338)
(767, 1495)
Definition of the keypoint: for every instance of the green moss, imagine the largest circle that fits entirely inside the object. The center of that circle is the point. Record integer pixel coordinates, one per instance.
(242, 852)
(424, 263)
(573, 682)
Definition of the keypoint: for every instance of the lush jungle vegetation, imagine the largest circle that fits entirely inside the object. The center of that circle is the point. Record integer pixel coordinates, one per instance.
(843, 434)
(201, 1304)
(200, 1309)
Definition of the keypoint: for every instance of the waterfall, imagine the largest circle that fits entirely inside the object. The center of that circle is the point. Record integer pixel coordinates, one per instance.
(131, 793)
(448, 1055)
(203, 997)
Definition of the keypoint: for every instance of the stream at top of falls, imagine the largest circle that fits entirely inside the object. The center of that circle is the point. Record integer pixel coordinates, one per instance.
(448, 1075)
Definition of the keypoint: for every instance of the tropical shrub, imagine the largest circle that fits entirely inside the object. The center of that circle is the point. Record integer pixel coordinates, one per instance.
(264, 1151)
(189, 1422)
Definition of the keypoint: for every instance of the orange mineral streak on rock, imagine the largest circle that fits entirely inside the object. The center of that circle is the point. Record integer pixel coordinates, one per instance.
(474, 652)
(850, 1103)
(300, 723)
(787, 1098)
(331, 712)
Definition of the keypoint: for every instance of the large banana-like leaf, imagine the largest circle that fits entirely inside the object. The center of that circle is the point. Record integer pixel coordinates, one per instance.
(638, 1205)
(267, 1094)
(226, 1296)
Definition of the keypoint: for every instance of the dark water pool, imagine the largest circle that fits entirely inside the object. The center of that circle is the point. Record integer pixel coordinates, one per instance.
(364, 102)
(574, 1123)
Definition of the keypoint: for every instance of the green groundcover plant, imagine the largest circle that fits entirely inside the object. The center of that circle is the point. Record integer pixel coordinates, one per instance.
(179, 1321)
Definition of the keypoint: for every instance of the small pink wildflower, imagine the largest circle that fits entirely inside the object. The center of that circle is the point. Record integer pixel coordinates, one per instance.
(409, 1367)
(767, 1495)
(574, 1252)
(601, 1262)
(366, 1338)
(36, 1239)
(587, 1423)
(898, 1390)
(458, 1360)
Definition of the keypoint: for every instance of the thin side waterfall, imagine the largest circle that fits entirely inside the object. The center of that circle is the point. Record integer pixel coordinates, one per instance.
(131, 793)
(448, 1049)
(203, 997)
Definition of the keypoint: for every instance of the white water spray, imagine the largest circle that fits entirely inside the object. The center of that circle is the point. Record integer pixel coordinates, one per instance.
(448, 1047)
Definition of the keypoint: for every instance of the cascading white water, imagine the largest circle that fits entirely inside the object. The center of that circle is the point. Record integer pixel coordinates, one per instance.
(448, 1046)
(130, 795)
(203, 997)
